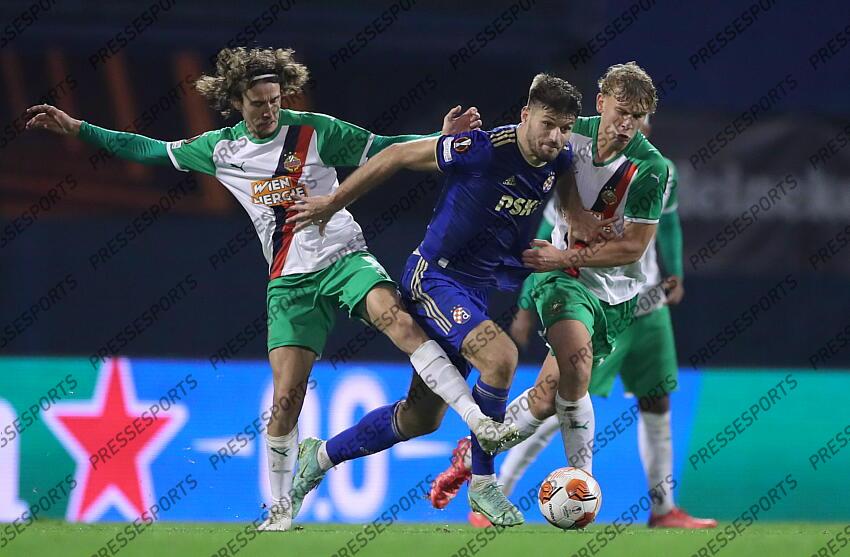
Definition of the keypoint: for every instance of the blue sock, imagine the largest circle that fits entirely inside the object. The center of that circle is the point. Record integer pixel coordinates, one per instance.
(375, 432)
(493, 402)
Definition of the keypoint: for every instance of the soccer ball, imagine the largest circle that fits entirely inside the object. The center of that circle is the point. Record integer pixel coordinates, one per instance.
(569, 498)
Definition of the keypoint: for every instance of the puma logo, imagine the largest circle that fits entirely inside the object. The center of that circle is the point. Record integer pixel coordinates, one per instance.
(282, 452)
(240, 166)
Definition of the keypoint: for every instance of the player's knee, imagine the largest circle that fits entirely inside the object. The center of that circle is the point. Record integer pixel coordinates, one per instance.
(498, 361)
(400, 327)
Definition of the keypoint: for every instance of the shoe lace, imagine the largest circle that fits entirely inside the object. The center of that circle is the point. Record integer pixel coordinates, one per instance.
(494, 492)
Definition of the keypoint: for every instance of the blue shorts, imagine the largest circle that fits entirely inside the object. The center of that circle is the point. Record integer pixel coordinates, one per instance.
(446, 309)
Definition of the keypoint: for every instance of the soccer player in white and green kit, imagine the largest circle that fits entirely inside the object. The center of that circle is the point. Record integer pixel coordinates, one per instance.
(269, 159)
(645, 359)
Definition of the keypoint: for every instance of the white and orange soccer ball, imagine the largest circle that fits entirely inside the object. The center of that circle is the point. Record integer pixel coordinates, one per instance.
(569, 498)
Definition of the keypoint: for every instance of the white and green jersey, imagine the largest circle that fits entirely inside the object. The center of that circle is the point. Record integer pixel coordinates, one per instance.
(264, 174)
(631, 186)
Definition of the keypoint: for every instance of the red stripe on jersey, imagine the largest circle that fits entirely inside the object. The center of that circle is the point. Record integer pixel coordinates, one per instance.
(620, 191)
(301, 148)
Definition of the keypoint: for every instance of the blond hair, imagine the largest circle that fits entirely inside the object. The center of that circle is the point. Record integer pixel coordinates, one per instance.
(629, 83)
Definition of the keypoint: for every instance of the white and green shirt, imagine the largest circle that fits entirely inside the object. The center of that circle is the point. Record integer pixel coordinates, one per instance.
(631, 186)
(263, 174)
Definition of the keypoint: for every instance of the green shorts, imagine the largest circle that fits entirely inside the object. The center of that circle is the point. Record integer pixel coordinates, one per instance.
(559, 296)
(302, 307)
(644, 356)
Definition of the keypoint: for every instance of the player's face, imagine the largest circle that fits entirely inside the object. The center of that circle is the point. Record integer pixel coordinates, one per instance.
(547, 131)
(260, 107)
(620, 120)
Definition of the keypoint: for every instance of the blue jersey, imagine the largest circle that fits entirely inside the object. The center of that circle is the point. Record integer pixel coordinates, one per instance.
(482, 220)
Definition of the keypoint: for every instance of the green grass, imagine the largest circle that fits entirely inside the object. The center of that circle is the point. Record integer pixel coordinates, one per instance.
(411, 540)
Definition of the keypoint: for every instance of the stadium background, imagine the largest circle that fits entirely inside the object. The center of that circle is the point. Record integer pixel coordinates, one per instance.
(403, 80)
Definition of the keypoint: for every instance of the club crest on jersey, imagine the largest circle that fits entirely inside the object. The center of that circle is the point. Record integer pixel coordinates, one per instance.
(609, 197)
(462, 144)
(460, 315)
(550, 181)
(291, 163)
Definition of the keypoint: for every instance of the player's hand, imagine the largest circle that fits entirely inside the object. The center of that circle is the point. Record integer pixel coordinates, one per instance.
(50, 118)
(586, 227)
(675, 290)
(456, 122)
(521, 327)
(545, 257)
(309, 211)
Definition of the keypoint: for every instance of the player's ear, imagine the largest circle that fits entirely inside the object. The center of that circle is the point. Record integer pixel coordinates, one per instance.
(599, 103)
(523, 114)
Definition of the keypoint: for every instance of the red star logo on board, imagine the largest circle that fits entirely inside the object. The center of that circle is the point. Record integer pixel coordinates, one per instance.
(114, 438)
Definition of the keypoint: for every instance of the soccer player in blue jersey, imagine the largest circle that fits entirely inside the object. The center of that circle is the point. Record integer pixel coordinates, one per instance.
(496, 181)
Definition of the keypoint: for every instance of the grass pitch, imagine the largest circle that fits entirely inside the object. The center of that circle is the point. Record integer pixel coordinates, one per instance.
(46, 538)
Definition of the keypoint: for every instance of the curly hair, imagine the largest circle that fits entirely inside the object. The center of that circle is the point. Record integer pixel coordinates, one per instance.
(236, 71)
(630, 83)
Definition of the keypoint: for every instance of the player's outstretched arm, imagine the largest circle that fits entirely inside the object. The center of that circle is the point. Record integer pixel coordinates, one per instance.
(413, 155)
(128, 146)
(622, 250)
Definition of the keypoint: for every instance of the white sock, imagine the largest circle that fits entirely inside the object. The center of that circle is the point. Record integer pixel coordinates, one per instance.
(441, 376)
(577, 428)
(521, 456)
(325, 462)
(480, 480)
(519, 413)
(656, 453)
(282, 453)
